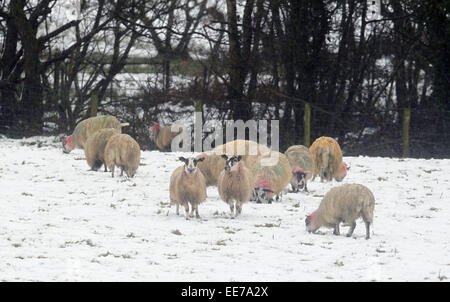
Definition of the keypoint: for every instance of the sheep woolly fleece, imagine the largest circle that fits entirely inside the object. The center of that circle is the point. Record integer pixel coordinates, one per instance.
(95, 147)
(345, 203)
(124, 152)
(187, 189)
(327, 157)
(89, 126)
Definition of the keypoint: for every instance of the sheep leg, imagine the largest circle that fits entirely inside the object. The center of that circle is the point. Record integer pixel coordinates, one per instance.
(192, 211)
(186, 207)
(121, 171)
(352, 228)
(238, 208)
(336, 229)
(104, 164)
(178, 209)
(367, 223)
(196, 212)
(112, 170)
(306, 188)
(231, 207)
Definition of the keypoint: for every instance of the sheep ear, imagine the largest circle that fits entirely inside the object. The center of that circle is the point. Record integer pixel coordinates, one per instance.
(239, 157)
(201, 159)
(224, 156)
(267, 190)
(181, 158)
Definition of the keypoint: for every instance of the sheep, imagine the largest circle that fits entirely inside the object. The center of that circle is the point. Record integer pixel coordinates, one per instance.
(87, 127)
(214, 163)
(235, 183)
(187, 186)
(95, 147)
(163, 136)
(271, 174)
(327, 158)
(344, 203)
(124, 152)
(301, 161)
(211, 167)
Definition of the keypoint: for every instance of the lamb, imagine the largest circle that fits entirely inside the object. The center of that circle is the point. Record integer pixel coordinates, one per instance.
(87, 127)
(124, 152)
(214, 163)
(95, 147)
(344, 203)
(163, 136)
(187, 186)
(301, 161)
(327, 157)
(235, 183)
(270, 176)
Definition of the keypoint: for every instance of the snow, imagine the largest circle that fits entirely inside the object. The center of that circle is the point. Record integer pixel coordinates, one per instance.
(61, 222)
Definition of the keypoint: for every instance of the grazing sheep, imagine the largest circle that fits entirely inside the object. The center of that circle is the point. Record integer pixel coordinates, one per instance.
(124, 152)
(327, 157)
(301, 161)
(187, 186)
(163, 136)
(89, 126)
(95, 147)
(211, 167)
(344, 203)
(271, 174)
(213, 164)
(235, 183)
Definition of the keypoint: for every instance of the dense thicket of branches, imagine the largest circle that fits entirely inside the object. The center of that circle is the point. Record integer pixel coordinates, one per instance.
(358, 64)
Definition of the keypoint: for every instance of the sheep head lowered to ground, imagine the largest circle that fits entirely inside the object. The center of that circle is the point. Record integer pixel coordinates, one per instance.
(187, 186)
(87, 127)
(344, 203)
(235, 183)
(271, 174)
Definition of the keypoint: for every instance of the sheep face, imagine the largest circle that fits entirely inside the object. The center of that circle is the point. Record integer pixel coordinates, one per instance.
(261, 194)
(342, 172)
(298, 181)
(231, 163)
(190, 164)
(311, 225)
(68, 144)
(154, 129)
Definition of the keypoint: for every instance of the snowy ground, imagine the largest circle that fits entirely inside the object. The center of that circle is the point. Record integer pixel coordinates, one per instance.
(61, 222)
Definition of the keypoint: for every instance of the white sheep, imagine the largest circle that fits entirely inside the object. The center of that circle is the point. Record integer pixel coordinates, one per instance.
(187, 186)
(344, 203)
(124, 152)
(235, 183)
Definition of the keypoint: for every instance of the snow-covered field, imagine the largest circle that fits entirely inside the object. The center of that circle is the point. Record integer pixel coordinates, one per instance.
(61, 222)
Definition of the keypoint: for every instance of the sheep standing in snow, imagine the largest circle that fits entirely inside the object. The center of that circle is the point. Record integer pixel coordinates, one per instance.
(89, 126)
(301, 161)
(163, 136)
(124, 152)
(344, 203)
(271, 174)
(235, 183)
(187, 186)
(95, 147)
(327, 157)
